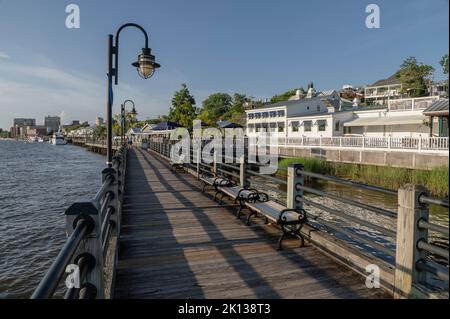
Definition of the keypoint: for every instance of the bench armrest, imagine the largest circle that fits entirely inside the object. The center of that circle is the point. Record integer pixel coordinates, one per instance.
(302, 218)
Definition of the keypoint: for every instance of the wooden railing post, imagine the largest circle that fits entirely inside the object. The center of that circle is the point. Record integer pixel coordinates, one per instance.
(410, 211)
(94, 284)
(215, 157)
(294, 180)
(243, 166)
(199, 159)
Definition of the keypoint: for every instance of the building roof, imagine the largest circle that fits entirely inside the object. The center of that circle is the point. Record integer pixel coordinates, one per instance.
(166, 126)
(320, 96)
(392, 80)
(228, 124)
(438, 107)
(380, 121)
(134, 130)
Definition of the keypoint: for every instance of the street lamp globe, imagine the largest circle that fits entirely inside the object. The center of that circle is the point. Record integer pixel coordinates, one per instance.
(133, 112)
(146, 64)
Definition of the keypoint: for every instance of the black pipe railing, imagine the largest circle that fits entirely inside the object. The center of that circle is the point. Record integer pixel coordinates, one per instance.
(90, 226)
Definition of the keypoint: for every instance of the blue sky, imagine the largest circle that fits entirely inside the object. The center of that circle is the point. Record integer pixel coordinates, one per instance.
(255, 47)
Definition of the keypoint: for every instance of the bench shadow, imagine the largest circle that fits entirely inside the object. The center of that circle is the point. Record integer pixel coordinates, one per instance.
(337, 280)
(333, 281)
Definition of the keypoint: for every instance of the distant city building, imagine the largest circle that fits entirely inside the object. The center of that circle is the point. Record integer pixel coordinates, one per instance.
(36, 131)
(99, 121)
(52, 123)
(75, 122)
(19, 128)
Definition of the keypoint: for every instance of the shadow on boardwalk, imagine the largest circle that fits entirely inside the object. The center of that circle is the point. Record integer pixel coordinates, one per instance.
(178, 243)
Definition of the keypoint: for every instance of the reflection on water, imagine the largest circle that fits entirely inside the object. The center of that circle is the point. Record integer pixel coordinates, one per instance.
(38, 182)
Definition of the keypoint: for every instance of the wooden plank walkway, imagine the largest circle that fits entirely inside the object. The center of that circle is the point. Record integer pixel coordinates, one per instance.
(176, 242)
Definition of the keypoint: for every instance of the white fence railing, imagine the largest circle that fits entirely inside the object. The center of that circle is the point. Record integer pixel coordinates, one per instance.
(405, 143)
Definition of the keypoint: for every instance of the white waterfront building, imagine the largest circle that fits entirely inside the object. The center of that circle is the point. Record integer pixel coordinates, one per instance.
(312, 115)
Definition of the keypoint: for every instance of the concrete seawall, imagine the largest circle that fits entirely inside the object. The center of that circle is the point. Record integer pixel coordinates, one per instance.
(404, 159)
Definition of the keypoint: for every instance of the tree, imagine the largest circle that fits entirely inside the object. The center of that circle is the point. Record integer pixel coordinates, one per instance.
(414, 77)
(444, 64)
(215, 107)
(236, 113)
(285, 96)
(100, 132)
(183, 110)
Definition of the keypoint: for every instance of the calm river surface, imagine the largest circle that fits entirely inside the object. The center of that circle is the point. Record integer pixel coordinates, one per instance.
(38, 182)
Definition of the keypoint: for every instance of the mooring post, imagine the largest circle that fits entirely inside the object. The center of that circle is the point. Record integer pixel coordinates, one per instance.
(410, 212)
(295, 180)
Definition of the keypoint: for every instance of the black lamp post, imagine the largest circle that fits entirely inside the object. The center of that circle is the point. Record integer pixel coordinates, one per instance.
(145, 65)
(123, 117)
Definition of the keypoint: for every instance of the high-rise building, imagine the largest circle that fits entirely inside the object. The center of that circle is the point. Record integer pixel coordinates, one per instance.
(99, 121)
(52, 122)
(19, 128)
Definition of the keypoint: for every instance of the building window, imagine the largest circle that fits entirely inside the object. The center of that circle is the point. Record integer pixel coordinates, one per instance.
(280, 127)
(318, 108)
(265, 126)
(295, 126)
(251, 127)
(307, 125)
(322, 124)
(348, 130)
(273, 127)
(280, 113)
(257, 115)
(251, 116)
(307, 108)
(273, 114)
(337, 126)
(258, 127)
(265, 115)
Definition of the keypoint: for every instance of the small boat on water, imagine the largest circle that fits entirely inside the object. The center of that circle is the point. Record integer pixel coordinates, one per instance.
(58, 139)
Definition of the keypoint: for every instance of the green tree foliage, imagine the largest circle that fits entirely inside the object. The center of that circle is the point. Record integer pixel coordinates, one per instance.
(236, 113)
(414, 77)
(183, 110)
(286, 95)
(100, 132)
(444, 64)
(215, 108)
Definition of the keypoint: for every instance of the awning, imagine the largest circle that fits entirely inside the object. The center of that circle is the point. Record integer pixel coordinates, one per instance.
(392, 120)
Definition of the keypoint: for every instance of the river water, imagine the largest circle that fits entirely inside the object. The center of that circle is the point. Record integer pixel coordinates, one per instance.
(38, 181)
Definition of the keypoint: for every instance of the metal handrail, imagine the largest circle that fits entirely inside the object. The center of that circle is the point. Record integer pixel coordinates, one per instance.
(51, 280)
(423, 245)
(383, 230)
(345, 200)
(84, 224)
(424, 199)
(433, 227)
(349, 183)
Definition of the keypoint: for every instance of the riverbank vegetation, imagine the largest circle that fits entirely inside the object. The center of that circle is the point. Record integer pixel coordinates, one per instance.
(435, 180)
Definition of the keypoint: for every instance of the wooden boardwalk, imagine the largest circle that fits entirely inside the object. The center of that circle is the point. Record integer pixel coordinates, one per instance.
(176, 242)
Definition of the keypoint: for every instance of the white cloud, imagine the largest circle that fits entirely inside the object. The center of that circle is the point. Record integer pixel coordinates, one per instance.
(36, 91)
(3, 55)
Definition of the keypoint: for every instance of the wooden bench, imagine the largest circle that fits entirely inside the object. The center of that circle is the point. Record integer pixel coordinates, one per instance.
(178, 167)
(216, 182)
(291, 221)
